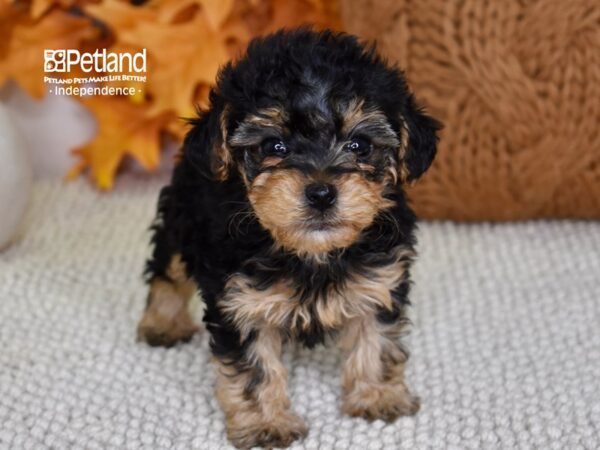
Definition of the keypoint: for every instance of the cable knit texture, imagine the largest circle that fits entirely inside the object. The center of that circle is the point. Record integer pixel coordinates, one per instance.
(517, 85)
(505, 344)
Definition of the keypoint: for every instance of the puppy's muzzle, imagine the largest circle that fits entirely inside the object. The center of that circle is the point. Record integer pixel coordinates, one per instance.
(320, 196)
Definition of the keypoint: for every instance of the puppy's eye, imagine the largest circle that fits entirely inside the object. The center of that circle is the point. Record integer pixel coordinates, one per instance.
(273, 147)
(361, 146)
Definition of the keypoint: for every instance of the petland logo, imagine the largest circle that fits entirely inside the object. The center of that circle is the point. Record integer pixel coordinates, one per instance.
(112, 72)
(101, 61)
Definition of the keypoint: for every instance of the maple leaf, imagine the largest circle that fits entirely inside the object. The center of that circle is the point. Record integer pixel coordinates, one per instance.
(39, 7)
(178, 127)
(174, 11)
(181, 56)
(217, 11)
(120, 15)
(10, 16)
(124, 129)
(24, 59)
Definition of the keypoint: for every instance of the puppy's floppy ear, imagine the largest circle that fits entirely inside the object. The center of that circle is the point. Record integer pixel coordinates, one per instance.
(420, 140)
(206, 146)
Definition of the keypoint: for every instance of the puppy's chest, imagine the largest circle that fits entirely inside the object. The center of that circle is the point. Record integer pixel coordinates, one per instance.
(282, 306)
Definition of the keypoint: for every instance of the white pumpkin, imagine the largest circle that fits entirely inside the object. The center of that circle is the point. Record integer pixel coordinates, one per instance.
(15, 178)
(60, 123)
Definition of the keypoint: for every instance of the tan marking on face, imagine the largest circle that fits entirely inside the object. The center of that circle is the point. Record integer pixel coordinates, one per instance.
(357, 116)
(278, 306)
(271, 161)
(268, 117)
(245, 135)
(359, 201)
(366, 167)
(369, 116)
(167, 318)
(352, 115)
(278, 200)
(262, 415)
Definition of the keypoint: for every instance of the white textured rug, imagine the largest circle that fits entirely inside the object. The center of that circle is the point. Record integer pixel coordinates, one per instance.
(505, 347)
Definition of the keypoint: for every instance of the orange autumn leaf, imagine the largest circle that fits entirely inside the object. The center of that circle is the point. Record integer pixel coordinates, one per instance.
(178, 126)
(217, 11)
(124, 129)
(289, 14)
(24, 60)
(181, 56)
(39, 7)
(119, 15)
(10, 16)
(171, 11)
(123, 16)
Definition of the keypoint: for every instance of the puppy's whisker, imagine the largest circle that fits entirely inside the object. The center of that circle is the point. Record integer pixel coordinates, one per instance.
(387, 217)
(237, 224)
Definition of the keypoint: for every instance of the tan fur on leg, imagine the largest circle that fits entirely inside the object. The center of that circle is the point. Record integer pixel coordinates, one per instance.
(167, 319)
(373, 376)
(259, 415)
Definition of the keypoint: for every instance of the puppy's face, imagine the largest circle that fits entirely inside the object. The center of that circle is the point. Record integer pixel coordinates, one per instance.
(321, 131)
(317, 176)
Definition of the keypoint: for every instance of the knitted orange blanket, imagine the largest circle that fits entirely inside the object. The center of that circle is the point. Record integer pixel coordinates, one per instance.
(517, 85)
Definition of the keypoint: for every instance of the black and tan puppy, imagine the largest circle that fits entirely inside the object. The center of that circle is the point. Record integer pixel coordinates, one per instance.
(286, 212)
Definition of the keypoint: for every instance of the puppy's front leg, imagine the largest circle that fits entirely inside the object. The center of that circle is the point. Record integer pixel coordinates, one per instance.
(373, 375)
(255, 399)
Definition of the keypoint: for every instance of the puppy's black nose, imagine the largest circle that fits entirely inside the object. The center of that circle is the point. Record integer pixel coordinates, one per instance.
(320, 195)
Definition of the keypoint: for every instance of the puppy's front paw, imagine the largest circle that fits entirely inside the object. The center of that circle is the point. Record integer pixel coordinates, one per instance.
(277, 433)
(385, 402)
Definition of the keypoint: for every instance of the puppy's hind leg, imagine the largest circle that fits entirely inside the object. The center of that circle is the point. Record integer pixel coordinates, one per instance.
(167, 319)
